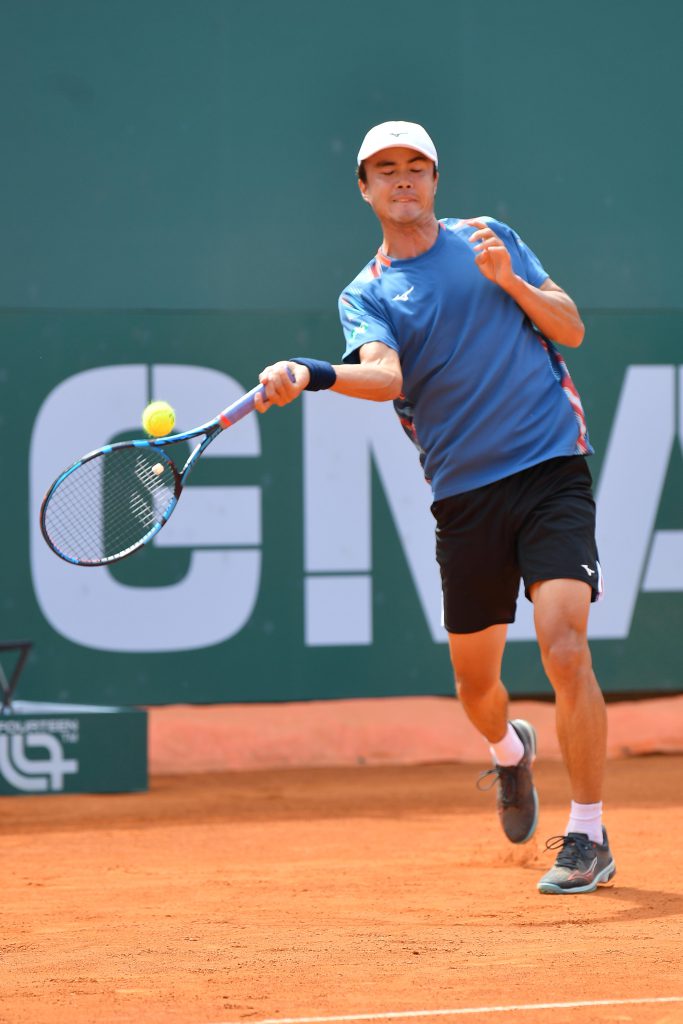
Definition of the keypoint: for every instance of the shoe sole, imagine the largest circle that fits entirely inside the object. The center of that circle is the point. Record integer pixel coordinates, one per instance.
(529, 732)
(534, 823)
(603, 877)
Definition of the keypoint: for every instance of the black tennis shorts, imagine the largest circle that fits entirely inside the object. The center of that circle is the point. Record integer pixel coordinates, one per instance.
(538, 524)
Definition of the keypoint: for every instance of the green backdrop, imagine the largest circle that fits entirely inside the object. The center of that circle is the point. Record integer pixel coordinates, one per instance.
(178, 191)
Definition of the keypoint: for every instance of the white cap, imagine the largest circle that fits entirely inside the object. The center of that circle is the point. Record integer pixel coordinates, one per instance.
(397, 133)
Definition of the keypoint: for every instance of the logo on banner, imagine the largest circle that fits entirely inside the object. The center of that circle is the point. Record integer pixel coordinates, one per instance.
(32, 758)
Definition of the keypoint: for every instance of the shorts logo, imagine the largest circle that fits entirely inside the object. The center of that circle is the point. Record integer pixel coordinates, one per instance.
(591, 572)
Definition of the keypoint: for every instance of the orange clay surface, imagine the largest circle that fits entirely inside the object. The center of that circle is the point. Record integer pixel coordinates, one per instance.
(334, 891)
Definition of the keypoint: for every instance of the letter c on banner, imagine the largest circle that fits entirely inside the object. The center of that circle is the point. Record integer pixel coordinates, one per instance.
(91, 607)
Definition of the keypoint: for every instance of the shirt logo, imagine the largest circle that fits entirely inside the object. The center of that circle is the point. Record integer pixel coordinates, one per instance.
(361, 329)
(404, 296)
(591, 572)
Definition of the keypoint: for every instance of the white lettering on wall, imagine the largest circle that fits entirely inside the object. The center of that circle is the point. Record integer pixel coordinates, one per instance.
(343, 440)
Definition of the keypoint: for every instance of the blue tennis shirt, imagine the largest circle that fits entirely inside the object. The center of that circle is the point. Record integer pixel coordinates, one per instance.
(485, 395)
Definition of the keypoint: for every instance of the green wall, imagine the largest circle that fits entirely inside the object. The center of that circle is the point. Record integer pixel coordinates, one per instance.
(178, 192)
(168, 154)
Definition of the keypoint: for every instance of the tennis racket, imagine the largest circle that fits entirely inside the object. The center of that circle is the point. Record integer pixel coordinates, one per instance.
(113, 501)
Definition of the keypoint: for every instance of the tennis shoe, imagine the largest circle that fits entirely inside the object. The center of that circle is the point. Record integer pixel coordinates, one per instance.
(517, 799)
(581, 864)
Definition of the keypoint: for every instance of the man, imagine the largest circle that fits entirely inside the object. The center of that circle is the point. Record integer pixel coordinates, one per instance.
(455, 321)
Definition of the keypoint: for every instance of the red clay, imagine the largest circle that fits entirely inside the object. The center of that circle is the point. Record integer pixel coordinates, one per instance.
(238, 897)
(386, 730)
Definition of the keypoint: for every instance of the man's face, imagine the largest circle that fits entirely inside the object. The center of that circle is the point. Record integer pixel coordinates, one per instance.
(400, 185)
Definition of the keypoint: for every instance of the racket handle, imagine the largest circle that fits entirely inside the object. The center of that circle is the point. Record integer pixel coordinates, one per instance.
(241, 408)
(244, 405)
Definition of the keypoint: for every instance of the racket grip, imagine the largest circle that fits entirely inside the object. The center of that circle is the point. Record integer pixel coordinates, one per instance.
(244, 405)
(241, 408)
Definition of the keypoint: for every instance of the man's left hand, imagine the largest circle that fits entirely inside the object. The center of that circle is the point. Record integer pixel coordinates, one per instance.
(492, 258)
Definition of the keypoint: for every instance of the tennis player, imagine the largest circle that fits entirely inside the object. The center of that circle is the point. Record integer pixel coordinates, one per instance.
(456, 322)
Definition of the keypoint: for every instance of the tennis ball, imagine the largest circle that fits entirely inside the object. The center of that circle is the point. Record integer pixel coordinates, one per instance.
(158, 419)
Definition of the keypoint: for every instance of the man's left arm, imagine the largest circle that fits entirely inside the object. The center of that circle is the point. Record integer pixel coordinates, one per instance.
(551, 309)
(548, 306)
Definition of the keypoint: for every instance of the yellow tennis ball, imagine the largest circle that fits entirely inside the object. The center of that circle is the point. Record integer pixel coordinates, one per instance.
(158, 419)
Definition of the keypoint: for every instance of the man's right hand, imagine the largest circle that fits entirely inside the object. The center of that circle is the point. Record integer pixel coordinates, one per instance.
(284, 381)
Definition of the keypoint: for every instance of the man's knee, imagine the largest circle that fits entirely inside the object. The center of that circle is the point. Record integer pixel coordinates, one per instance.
(566, 657)
(472, 685)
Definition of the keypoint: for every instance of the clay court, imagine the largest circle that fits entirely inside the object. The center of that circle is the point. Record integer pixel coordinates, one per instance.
(382, 892)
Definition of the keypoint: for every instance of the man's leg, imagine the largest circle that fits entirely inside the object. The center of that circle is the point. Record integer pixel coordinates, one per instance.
(561, 616)
(476, 659)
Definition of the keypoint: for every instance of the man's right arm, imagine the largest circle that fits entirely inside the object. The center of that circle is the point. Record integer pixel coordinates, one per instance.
(376, 378)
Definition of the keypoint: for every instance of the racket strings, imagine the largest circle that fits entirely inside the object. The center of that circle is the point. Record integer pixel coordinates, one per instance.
(109, 504)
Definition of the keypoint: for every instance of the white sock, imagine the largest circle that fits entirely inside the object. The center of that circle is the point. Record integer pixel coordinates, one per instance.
(586, 818)
(509, 751)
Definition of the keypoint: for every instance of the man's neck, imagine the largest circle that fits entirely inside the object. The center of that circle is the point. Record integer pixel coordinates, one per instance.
(405, 242)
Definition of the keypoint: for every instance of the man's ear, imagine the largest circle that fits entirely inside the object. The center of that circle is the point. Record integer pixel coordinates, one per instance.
(436, 182)
(363, 187)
